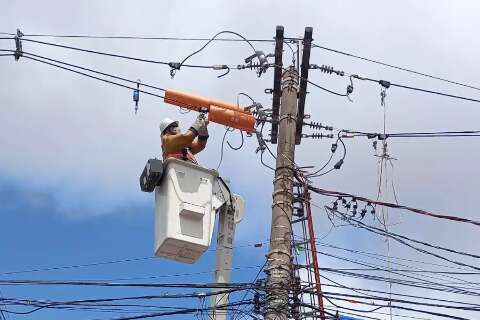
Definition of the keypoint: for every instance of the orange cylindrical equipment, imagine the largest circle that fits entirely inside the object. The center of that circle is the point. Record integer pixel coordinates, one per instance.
(194, 102)
(232, 118)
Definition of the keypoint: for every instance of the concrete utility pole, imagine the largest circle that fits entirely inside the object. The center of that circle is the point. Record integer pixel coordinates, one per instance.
(280, 254)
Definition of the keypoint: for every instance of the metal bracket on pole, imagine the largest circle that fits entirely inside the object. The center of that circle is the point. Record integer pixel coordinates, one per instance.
(277, 80)
(307, 44)
(18, 45)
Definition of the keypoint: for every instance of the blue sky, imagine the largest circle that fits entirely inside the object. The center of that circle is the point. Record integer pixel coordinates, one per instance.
(36, 235)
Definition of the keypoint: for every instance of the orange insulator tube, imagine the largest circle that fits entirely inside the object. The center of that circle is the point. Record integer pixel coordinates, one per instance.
(194, 102)
(231, 118)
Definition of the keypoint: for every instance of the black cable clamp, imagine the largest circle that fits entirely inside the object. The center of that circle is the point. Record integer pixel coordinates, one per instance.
(18, 45)
(384, 83)
(222, 67)
(174, 66)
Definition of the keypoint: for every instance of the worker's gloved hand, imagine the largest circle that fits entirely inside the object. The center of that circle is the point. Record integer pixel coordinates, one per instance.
(195, 127)
(203, 131)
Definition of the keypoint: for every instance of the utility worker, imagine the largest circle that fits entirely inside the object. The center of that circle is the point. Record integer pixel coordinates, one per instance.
(183, 145)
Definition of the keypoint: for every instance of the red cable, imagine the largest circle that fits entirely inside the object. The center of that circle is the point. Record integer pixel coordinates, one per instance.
(314, 253)
(393, 205)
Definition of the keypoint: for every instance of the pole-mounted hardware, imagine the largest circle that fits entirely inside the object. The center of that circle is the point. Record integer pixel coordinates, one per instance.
(302, 94)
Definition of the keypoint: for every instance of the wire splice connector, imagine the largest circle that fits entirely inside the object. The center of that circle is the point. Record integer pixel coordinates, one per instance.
(136, 95)
(18, 45)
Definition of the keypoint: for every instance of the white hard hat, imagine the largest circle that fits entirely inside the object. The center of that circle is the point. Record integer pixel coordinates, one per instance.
(165, 123)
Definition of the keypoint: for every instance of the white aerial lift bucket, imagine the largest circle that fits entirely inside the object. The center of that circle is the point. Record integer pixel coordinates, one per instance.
(187, 196)
(184, 214)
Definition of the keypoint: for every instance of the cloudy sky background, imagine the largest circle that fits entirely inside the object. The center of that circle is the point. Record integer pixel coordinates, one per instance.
(72, 148)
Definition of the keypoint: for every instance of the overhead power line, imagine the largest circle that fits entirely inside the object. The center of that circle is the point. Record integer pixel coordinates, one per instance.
(391, 84)
(94, 77)
(95, 71)
(241, 285)
(356, 289)
(376, 267)
(403, 301)
(427, 281)
(396, 67)
(403, 240)
(394, 205)
(435, 134)
(80, 36)
(119, 55)
(374, 256)
(99, 263)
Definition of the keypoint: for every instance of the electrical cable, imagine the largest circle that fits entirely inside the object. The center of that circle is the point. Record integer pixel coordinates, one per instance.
(241, 142)
(209, 41)
(144, 38)
(396, 67)
(444, 274)
(227, 130)
(94, 77)
(402, 295)
(401, 239)
(264, 164)
(94, 71)
(407, 283)
(337, 165)
(75, 266)
(381, 82)
(116, 284)
(438, 314)
(139, 37)
(409, 239)
(103, 80)
(322, 174)
(380, 313)
(254, 281)
(370, 254)
(379, 268)
(185, 311)
(325, 165)
(383, 136)
(118, 55)
(393, 205)
(48, 304)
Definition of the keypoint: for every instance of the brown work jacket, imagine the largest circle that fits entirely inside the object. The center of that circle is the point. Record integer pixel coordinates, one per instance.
(174, 145)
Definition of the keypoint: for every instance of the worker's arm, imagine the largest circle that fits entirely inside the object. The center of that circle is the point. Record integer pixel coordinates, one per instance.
(201, 141)
(175, 143)
(198, 145)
